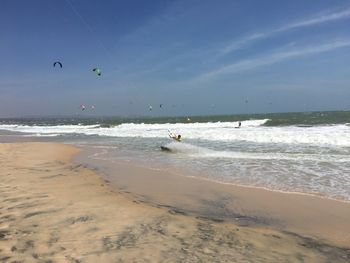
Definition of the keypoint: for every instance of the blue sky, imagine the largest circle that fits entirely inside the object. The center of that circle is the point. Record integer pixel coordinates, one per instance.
(195, 57)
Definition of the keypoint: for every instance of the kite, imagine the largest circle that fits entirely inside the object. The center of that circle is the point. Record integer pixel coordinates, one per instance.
(97, 71)
(57, 62)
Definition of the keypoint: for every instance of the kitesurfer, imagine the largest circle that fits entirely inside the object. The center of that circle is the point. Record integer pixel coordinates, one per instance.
(175, 137)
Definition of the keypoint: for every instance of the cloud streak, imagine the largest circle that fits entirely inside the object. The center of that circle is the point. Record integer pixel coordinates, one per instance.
(300, 24)
(317, 20)
(273, 58)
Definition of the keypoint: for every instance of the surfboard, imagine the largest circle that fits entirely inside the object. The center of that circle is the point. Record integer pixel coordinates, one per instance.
(166, 149)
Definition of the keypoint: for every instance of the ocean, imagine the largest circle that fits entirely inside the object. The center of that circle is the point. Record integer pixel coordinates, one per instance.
(306, 152)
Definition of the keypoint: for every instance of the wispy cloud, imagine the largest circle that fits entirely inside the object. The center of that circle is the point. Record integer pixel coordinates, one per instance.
(317, 20)
(273, 58)
(299, 24)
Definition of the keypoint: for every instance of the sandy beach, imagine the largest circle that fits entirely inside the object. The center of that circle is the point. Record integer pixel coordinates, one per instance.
(175, 131)
(304, 214)
(55, 210)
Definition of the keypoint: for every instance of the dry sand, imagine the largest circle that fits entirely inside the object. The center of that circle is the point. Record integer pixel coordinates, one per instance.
(52, 210)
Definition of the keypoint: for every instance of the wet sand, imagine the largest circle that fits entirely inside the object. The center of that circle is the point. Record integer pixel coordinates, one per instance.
(303, 214)
(54, 210)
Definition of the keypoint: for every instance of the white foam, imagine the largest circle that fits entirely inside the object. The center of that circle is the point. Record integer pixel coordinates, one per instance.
(42, 135)
(250, 131)
(202, 152)
(312, 160)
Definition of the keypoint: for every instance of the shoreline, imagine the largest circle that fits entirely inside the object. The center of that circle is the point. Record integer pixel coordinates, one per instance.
(189, 194)
(13, 137)
(53, 209)
(182, 174)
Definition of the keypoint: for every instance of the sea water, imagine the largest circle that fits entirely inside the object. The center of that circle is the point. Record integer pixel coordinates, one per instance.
(293, 152)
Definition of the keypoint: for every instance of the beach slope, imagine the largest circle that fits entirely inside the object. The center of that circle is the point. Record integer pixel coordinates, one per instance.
(52, 210)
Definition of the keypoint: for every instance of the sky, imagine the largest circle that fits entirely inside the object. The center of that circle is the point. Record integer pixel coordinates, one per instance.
(195, 57)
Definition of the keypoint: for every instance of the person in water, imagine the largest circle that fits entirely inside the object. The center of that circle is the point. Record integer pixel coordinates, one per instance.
(175, 137)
